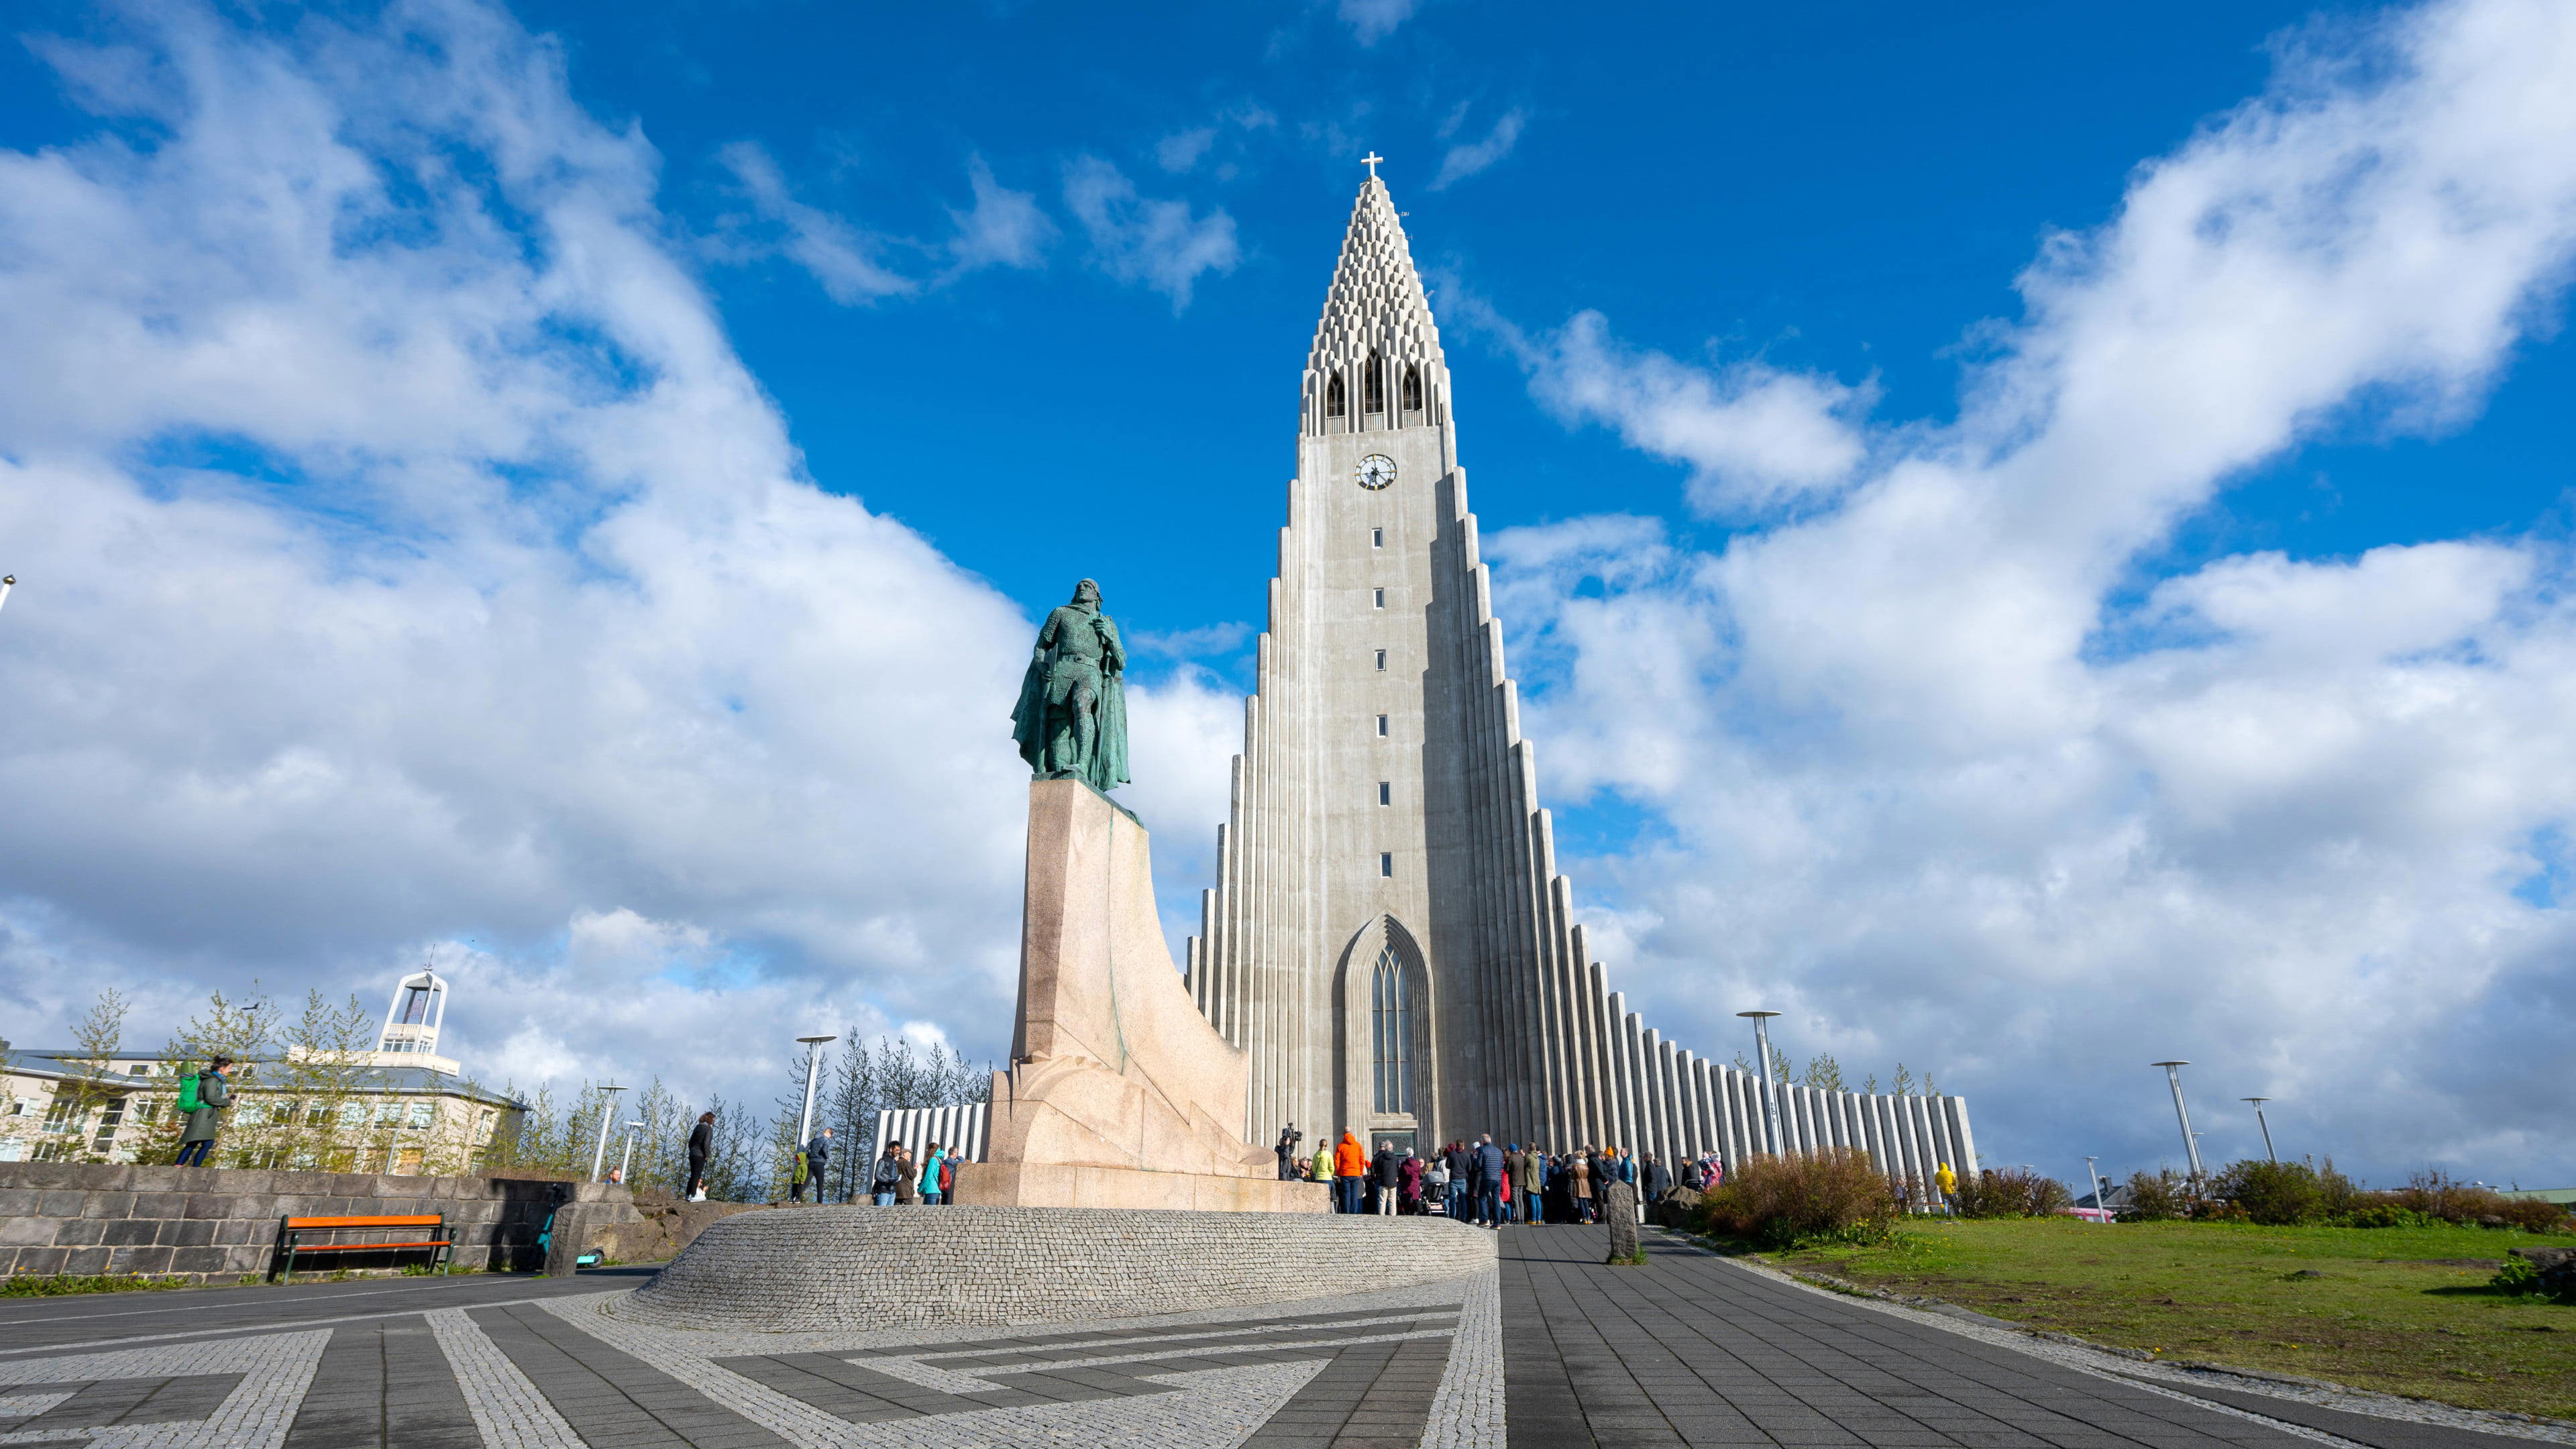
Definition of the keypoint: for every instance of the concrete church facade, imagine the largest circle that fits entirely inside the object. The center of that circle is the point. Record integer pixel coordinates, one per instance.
(1388, 939)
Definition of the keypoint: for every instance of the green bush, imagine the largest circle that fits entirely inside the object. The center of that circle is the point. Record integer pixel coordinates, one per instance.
(2010, 1192)
(2432, 1194)
(2277, 1194)
(2386, 1215)
(1784, 1201)
(2517, 1276)
(2159, 1197)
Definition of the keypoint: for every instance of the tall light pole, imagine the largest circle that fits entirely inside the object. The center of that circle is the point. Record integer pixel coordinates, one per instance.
(1770, 1083)
(626, 1161)
(2190, 1139)
(607, 1114)
(6, 584)
(813, 1064)
(2266, 1126)
(2098, 1204)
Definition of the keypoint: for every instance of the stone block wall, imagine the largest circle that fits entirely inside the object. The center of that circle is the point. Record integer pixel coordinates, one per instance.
(845, 1268)
(208, 1224)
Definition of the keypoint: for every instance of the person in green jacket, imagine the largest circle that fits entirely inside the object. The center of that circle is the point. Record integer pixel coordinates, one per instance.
(930, 1176)
(198, 1137)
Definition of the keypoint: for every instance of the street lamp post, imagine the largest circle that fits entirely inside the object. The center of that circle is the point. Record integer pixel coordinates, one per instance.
(2190, 1139)
(1770, 1085)
(626, 1159)
(2266, 1126)
(6, 584)
(607, 1114)
(2099, 1205)
(813, 1065)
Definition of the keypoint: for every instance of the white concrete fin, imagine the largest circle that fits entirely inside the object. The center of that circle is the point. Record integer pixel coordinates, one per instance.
(1376, 299)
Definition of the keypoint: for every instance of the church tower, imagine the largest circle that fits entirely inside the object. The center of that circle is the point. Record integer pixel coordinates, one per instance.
(1388, 939)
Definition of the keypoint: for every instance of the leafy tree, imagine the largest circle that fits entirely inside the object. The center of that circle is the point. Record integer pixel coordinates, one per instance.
(1824, 1073)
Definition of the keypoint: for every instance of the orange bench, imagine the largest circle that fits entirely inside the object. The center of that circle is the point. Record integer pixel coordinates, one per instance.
(291, 1231)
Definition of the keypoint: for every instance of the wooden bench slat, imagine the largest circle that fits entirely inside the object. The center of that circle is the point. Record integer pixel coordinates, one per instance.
(303, 1248)
(410, 1220)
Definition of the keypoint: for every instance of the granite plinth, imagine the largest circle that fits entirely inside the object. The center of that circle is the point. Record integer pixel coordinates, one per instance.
(1025, 1184)
(865, 1267)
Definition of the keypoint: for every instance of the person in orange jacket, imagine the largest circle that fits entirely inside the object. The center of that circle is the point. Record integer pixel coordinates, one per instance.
(1350, 1164)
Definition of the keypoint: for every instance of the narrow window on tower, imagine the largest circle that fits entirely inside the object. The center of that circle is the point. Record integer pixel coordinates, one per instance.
(1334, 406)
(1377, 538)
(1381, 726)
(1412, 388)
(1373, 384)
(1386, 863)
(1380, 598)
(1386, 792)
(1381, 659)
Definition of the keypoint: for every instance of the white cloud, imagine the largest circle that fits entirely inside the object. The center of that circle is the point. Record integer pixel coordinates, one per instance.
(1755, 436)
(1373, 20)
(405, 555)
(1924, 781)
(841, 257)
(1160, 244)
(1005, 228)
(1467, 158)
(1181, 150)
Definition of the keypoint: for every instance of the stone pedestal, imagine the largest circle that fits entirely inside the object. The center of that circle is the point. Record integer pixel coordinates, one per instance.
(1619, 1214)
(1119, 1093)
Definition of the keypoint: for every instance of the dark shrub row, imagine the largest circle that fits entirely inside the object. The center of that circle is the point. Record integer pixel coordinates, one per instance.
(2288, 1193)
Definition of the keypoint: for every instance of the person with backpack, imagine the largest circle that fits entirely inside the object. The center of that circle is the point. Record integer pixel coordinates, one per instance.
(889, 1171)
(948, 1179)
(796, 1175)
(202, 1095)
(818, 1159)
(930, 1176)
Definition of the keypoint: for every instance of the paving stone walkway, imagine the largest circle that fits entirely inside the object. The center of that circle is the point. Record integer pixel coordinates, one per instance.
(1556, 1351)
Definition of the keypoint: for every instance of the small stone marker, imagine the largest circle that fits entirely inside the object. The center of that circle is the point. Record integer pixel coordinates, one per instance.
(1619, 1210)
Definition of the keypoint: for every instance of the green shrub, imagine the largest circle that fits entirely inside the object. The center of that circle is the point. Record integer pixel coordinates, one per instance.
(2158, 1197)
(1780, 1202)
(2010, 1192)
(2277, 1194)
(2517, 1276)
(2434, 1195)
(2371, 1214)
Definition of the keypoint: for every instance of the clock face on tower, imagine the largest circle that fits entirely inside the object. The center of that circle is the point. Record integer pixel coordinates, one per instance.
(1376, 471)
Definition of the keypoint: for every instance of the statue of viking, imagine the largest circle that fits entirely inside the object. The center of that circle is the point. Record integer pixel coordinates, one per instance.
(1072, 718)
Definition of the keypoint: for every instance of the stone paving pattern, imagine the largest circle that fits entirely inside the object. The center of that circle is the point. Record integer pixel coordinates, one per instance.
(1554, 1348)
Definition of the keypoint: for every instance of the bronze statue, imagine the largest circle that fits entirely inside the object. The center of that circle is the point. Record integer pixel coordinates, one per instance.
(1071, 722)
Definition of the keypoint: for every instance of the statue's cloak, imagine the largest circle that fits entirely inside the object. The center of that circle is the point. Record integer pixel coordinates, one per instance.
(1107, 768)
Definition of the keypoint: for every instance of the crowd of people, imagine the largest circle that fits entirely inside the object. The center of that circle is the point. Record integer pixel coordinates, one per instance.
(1487, 1183)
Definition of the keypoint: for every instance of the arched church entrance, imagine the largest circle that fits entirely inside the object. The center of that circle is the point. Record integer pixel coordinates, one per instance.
(1388, 1048)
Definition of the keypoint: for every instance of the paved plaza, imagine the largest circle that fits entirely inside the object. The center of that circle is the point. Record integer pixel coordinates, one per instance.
(1553, 1350)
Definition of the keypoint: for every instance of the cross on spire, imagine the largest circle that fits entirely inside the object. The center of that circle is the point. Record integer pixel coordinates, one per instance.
(1371, 160)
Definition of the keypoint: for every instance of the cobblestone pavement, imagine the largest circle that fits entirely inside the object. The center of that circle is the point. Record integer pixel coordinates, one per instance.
(1557, 1348)
(1691, 1349)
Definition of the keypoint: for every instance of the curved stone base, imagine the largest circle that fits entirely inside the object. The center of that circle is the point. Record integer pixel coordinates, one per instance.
(873, 1267)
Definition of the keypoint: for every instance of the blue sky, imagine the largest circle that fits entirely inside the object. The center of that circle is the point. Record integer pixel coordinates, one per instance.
(495, 372)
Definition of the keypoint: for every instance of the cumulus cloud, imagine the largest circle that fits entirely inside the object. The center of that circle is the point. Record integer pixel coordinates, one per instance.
(406, 557)
(1139, 239)
(1181, 150)
(1923, 779)
(1467, 158)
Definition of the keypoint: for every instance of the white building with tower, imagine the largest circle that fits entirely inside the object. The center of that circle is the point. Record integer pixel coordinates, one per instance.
(1388, 938)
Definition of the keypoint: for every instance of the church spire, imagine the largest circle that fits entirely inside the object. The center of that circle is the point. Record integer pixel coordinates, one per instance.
(1376, 350)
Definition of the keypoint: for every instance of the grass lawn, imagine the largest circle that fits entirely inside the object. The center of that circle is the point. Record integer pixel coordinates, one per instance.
(2394, 1309)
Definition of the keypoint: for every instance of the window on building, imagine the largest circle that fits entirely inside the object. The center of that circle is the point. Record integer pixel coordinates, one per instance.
(1373, 384)
(1381, 659)
(151, 1109)
(420, 1114)
(1377, 538)
(1380, 596)
(1386, 792)
(1381, 726)
(139, 1069)
(1390, 1035)
(1334, 406)
(58, 1117)
(1412, 388)
(1386, 864)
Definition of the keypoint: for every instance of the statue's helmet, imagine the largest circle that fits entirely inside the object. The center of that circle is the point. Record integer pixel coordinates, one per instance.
(1089, 587)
